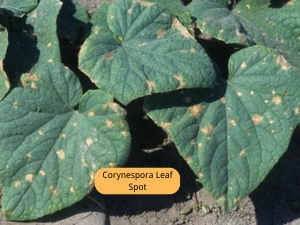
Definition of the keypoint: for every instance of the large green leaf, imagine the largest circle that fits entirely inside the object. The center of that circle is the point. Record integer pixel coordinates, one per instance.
(17, 7)
(71, 17)
(232, 136)
(33, 40)
(139, 48)
(250, 21)
(4, 83)
(51, 152)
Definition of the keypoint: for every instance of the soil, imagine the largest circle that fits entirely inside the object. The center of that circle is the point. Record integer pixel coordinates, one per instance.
(275, 202)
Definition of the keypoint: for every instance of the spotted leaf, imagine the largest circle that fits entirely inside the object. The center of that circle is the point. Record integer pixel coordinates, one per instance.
(49, 151)
(140, 48)
(233, 135)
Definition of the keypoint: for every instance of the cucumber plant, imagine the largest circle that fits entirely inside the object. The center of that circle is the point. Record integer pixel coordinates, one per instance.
(231, 126)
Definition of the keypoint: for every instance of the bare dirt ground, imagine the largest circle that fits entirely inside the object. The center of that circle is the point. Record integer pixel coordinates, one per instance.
(275, 202)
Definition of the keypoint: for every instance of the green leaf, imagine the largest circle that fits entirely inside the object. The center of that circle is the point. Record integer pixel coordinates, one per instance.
(233, 136)
(51, 152)
(71, 17)
(273, 27)
(17, 7)
(215, 19)
(139, 49)
(34, 40)
(251, 21)
(4, 83)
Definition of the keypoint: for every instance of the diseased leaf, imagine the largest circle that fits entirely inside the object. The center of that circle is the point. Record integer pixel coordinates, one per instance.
(4, 83)
(251, 21)
(139, 49)
(215, 19)
(233, 136)
(34, 40)
(51, 152)
(71, 17)
(17, 7)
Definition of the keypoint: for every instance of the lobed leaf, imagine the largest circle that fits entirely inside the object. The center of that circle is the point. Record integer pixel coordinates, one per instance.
(34, 40)
(251, 21)
(51, 152)
(232, 136)
(138, 48)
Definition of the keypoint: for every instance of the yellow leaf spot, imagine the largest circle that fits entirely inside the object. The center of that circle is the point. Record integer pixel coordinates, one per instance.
(124, 133)
(109, 123)
(112, 165)
(49, 45)
(151, 84)
(112, 17)
(244, 65)
(221, 31)
(223, 100)
(160, 33)
(192, 50)
(248, 6)
(53, 191)
(91, 113)
(60, 154)
(282, 40)
(142, 44)
(92, 180)
(15, 105)
(17, 183)
(7, 84)
(195, 110)
(299, 38)
(34, 15)
(237, 32)
(96, 30)
(271, 121)
(43, 173)
(33, 85)
(283, 63)
(199, 145)
(221, 199)
(144, 3)
(41, 132)
(129, 11)
(207, 130)
(200, 175)
(50, 60)
(165, 124)
(180, 79)
(29, 177)
(28, 155)
(108, 56)
(63, 135)
(242, 153)
(72, 189)
(251, 92)
(188, 159)
(296, 111)
(277, 100)
(266, 101)
(257, 119)
(70, 178)
(239, 94)
(89, 141)
(232, 122)
(184, 32)
(75, 124)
